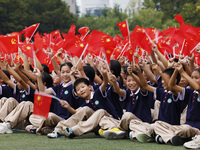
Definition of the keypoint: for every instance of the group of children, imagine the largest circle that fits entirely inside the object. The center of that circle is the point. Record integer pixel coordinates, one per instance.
(155, 100)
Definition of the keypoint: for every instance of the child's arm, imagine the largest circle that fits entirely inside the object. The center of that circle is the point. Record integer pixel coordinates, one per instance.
(16, 76)
(26, 80)
(160, 55)
(183, 61)
(79, 66)
(26, 72)
(115, 86)
(59, 53)
(66, 105)
(74, 74)
(172, 83)
(55, 64)
(143, 82)
(41, 86)
(147, 71)
(191, 62)
(104, 71)
(6, 79)
(188, 78)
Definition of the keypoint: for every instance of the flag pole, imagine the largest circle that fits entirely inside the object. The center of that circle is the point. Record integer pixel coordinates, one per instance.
(33, 33)
(82, 54)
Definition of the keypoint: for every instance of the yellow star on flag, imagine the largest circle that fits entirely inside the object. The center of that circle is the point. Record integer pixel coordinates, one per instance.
(107, 40)
(28, 47)
(82, 45)
(124, 25)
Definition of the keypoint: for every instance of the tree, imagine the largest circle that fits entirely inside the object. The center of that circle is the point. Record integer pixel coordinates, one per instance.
(51, 14)
(106, 23)
(13, 16)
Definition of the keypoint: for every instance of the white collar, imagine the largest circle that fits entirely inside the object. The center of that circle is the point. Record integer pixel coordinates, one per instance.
(135, 92)
(91, 97)
(67, 84)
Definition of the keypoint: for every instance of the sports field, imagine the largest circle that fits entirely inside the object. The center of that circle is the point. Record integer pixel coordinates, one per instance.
(25, 141)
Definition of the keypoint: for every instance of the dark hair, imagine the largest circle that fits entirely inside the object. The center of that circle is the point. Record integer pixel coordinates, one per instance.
(81, 80)
(124, 68)
(6, 73)
(66, 64)
(45, 68)
(133, 72)
(89, 71)
(48, 79)
(115, 67)
(170, 71)
(197, 69)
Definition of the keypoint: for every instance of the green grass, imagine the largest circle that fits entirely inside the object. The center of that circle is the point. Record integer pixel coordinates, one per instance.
(25, 141)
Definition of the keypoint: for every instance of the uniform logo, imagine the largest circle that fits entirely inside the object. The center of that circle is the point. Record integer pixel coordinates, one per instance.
(169, 100)
(136, 98)
(198, 100)
(96, 102)
(66, 92)
(23, 95)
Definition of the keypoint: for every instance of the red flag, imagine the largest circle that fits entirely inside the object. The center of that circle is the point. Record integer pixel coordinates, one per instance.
(72, 30)
(83, 31)
(42, 104)
(123, 26)
(38, 41)
(55, 33)
(29, 31)
(9, 44)
(179, 19)
(27, 49)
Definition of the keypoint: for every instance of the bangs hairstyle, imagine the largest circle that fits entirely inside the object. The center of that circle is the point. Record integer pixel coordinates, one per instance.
(197, 69)
(170, 71)
(115, 67)
(6, 73)
(90, 72)
(134, 72)
(80, 80)
(66, 64)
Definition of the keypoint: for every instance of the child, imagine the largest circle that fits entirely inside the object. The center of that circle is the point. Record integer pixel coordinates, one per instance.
(137, 106)
(80, 123)
(180, 134)
(58, 112)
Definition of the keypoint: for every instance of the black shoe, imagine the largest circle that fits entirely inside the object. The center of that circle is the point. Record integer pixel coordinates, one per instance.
(178, 141)
(159, 139)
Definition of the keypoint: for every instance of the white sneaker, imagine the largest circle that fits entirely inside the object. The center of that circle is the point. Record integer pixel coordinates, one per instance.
(194, 143)
(5, 128)
(54, 134)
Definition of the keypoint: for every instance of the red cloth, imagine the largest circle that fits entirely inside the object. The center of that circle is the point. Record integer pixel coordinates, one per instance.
(42, 104)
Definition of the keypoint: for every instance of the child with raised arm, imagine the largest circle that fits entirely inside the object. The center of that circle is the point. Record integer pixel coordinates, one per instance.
(63, 91)
(179, 134)
(138, 110)
(22, 105)
(96, 105)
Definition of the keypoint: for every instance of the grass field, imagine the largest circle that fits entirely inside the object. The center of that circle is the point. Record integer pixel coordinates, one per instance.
(25, 141)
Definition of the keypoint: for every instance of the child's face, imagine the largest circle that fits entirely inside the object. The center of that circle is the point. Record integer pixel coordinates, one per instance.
(167, 78)
(65, 74)
(196, 76)
(183, 82)
(83, 90)
(131, 84)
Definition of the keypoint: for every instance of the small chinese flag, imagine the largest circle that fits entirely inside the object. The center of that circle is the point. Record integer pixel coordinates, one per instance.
(27, 49)
(29, 31)
(123, 26)
(42, 104)
(83, 31)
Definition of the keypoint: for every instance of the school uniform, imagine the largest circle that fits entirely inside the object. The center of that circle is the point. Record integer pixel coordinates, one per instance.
(138, 112)
(169, 112)
(115, 99)
(95, 108)
(18, 117)
(57, 112)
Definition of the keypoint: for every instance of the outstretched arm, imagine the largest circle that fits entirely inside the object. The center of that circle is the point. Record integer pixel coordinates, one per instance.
(104, 71)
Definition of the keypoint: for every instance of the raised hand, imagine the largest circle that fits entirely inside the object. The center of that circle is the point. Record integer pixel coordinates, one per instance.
(171, 63)
(37, 72)
(179, 67)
